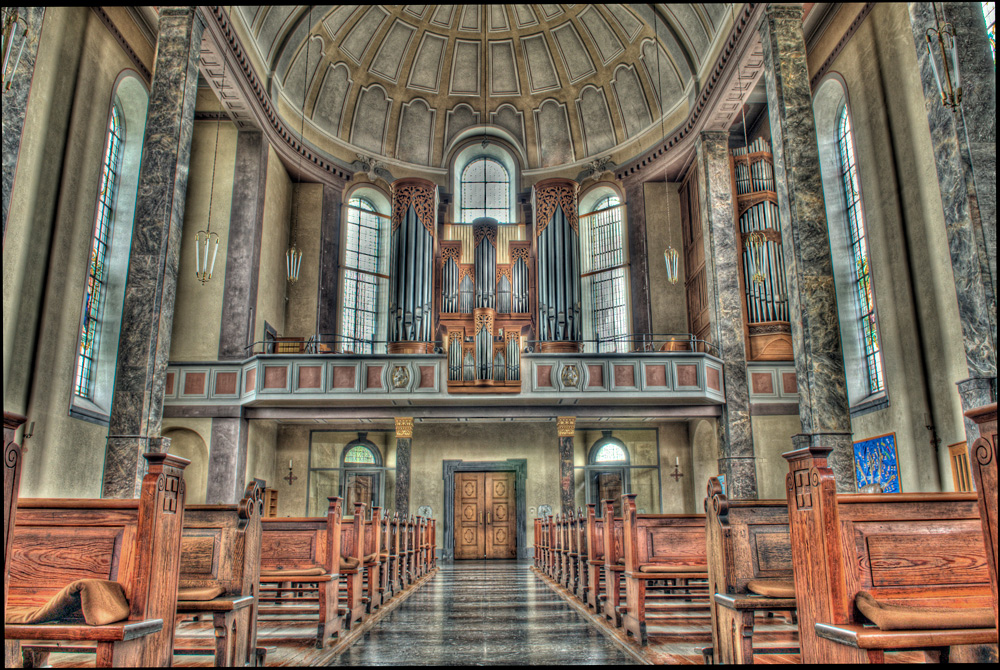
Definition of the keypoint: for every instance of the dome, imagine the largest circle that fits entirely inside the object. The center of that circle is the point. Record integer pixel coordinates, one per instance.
(564, 84)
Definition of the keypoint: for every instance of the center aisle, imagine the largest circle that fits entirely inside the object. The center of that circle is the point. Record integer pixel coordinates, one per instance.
(483, 612)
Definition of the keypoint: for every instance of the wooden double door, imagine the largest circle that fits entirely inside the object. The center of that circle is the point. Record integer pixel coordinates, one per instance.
(485, 515)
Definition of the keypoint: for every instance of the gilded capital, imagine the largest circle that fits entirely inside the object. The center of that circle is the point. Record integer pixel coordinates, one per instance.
(404, 426)
(565, 425)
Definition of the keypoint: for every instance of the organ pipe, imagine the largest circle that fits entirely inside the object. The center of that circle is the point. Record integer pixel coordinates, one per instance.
(411, 264)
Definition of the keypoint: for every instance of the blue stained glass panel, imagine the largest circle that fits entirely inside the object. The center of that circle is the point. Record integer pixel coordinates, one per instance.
(875, 462)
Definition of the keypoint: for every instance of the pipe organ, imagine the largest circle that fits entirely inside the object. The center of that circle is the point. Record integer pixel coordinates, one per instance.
(765, 295)
(484, 304)
(557, 251)
(411, 317)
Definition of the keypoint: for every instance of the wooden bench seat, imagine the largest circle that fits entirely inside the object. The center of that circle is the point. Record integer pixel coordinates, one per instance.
(670, 550)
(583, 567)
(614, 565)
(921, 550)
(749, 554)
(136, 543)
(221, 550)
(300, 570)
(983, 461)
(372, 576)
(352, 559)
(596, 590)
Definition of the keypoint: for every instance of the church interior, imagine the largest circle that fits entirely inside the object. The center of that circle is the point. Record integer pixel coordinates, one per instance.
(594, 333)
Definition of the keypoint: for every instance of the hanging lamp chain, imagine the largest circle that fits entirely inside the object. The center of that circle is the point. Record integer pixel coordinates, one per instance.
(293, 257)
(206, 240)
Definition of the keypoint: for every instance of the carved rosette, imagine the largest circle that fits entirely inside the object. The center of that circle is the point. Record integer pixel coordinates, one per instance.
(489, 231)
(451, 251)
(404, 426)
(549, 194)
(421, 194)
(484, 319)
(518, 253)
(565, 425)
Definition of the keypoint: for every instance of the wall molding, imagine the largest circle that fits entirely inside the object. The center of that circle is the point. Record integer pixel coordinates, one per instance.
(851, 29)
(123, 43)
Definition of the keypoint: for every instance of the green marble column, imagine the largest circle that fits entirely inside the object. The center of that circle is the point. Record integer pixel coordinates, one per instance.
(812, 299)
(404, 440)
(148, 310)
(725, 306)
(964, 145)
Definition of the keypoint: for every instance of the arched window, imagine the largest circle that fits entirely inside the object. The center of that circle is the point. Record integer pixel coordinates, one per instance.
(604, 268)
(107, 252)
(97, 271)
(485, 188)
(608, 471)
(362, 469)
(362, 273)
(867, 322)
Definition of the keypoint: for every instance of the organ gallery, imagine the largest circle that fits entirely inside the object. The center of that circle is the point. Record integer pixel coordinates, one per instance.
(329, 326)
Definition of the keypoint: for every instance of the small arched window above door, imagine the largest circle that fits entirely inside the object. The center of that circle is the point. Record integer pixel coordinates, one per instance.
(607, 472)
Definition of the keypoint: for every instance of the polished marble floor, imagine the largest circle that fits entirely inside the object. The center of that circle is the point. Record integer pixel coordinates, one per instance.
(483, 613)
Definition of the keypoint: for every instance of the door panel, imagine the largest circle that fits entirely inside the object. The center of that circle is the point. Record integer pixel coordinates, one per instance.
(609, 486)
(470, 536)
(485, 515)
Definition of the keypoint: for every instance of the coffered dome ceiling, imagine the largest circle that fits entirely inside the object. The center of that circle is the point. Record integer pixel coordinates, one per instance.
(564, 83)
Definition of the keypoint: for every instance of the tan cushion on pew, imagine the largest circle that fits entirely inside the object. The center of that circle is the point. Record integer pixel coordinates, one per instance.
(200, 594)
(349, 563)
(772, 588)
(907, 617)
(667, 569)
(371, 558)
(294, 572)
(99, 601)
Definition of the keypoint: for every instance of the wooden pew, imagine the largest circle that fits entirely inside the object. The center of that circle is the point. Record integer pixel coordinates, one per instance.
(572, 553)
(11, 485)
(660, 547)
(614, 564)
(583, 560)
(373, 561)
(136, 542)
(983, 461)
(398, 555)
(352, 545)
(749, 551)
(596, 588)
(385, 556)
(913, 550)
(300, 569)
(220, 550)
(537, 546)
(411, 550)
(431, 544)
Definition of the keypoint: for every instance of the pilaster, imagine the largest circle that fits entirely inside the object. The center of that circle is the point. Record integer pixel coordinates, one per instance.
(144, 346)
(566, 427)
(722, 252)
(812, 300)
(404, 438)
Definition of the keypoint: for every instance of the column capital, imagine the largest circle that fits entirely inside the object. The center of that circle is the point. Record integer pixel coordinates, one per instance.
(404, 426)
(784, 10)
(565, 425)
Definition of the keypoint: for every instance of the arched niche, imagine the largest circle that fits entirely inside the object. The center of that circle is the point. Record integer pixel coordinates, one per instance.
(188, 444)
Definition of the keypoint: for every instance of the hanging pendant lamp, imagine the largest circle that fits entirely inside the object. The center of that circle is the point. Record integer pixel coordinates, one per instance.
(293, 257)
(206, 241)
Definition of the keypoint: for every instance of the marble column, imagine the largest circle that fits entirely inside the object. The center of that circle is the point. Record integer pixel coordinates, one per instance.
(964, 144)
(635, 209)
(329, 260)
(15, 100)
(812, 300)
(724, 297)
(404, 439)
(246, 220)
(144, 346)
(227, 461)
(566, 427)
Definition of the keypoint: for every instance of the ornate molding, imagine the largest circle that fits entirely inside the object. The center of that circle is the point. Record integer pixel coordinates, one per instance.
(129, 51)
(519, 251)
(452, 251)
(249, 92)
(484, 320)
(717, 82)
(848, 34)
(486, 230)
(404, 427)
(419, 194)
(565, 425)
(504, 271)
(551, 194)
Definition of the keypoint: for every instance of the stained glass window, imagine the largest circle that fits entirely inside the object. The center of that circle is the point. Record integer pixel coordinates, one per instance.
(360, 454)
(868, 325)
(990, 14)
(485, 191)
(610, 453)
(608, 294)
(97, 272)
(359, 321)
